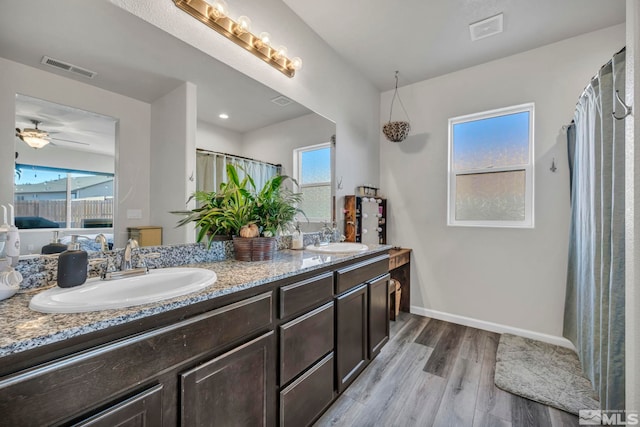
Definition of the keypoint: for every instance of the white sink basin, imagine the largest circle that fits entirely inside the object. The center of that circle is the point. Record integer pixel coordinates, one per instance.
(98, 294)
(338, 248)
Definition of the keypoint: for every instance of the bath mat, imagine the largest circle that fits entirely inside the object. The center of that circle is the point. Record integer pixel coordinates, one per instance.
(543, 372)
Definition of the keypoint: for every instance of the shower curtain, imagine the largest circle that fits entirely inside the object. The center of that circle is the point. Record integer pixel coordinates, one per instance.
(211, 170)
(594, 308)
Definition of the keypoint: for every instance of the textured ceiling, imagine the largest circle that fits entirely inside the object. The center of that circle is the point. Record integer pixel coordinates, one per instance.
(427, 38)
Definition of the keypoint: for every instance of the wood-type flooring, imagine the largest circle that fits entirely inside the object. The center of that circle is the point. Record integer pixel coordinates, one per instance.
(435, 373)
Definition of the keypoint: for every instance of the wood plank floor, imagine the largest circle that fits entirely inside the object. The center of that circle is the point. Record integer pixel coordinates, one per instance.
(434, 373)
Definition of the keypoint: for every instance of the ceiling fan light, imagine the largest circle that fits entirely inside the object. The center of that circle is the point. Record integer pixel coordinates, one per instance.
(34, 141)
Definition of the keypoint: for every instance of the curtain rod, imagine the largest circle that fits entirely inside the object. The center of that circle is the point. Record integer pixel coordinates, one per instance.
(595, 76)
(208, 152)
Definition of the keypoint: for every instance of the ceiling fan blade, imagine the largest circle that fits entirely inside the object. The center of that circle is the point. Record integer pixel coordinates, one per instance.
(68, 140)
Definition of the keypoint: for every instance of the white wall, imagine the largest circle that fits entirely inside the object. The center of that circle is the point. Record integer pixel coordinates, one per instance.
(326, 84)
(132, 133)
(275, 143)
(215, 138)
(512, 277)
(173, 147)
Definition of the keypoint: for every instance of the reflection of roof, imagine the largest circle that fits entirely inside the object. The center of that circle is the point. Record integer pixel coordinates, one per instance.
(60, 185)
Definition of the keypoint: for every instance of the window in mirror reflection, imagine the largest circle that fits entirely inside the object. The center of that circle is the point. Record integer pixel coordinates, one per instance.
(312, 170)
(62, 198)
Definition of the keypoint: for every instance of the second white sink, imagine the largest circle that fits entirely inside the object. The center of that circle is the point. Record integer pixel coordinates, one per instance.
(96, 294)
(338, 248)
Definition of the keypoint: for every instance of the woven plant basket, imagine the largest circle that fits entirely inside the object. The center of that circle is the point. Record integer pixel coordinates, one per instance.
(254, 248)
(396, 131)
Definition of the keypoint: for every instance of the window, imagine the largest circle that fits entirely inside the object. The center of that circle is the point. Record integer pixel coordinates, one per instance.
(61, 198)
(312, 170)
(491, 168)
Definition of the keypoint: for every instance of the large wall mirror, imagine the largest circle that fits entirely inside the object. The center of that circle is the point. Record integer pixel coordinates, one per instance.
(64, 172)
(136, 61)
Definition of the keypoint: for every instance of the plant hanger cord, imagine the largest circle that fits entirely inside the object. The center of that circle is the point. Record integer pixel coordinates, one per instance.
(395, 93)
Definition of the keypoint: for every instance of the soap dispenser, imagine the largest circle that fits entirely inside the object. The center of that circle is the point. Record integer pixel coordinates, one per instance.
(72, 265)
(297, 239)
(55, 247)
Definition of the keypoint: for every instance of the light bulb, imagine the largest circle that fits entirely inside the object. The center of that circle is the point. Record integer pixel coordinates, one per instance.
(296, 63)
(280, 52)
(243, 25)
(218, 9)
(263, 40)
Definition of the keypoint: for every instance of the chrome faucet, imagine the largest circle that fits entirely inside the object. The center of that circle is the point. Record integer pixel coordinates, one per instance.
(126, 257)
(325, 235)
(104, 246)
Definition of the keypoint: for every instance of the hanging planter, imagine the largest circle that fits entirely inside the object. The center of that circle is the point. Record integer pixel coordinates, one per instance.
(397, 131)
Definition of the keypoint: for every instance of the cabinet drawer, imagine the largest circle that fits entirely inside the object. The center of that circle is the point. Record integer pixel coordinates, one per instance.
(348, 277)
(298, 297)
(308, 396)
(124, 364)
(305, 340)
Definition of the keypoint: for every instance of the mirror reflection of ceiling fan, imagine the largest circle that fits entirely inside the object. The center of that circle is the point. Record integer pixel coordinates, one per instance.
(38, 138)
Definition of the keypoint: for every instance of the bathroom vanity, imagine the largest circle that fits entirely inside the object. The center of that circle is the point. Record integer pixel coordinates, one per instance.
(270, 343)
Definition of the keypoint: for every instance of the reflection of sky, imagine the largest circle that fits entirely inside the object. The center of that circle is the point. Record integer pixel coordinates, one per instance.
(35, 175)
(316, 166)
(496, 141)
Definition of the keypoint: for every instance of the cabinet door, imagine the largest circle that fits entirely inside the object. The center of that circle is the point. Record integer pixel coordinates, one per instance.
(234, 389)
(351, 331)
(141, 410)
(378, 314)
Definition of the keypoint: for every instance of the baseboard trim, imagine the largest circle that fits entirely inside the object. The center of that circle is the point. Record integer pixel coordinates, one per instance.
(492, 327)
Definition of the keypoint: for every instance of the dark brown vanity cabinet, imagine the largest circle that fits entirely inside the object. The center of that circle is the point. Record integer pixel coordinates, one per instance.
(234, 389)
(362, 319)
(306, 350)
(101, 380)
(378, 311)
(277, 354)
(142, 410)
(351, 334)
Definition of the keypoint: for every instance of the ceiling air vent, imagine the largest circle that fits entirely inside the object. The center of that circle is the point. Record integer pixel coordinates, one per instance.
(486, 28)
(65, 66)
(281, 101)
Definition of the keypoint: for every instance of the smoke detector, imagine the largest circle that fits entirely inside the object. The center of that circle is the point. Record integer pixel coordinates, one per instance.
(486, 28)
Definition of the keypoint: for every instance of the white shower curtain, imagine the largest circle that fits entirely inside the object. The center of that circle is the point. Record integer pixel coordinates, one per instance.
(594, 308)
(211, 170)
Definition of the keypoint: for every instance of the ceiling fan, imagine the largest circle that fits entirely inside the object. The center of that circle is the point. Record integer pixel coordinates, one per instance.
(38, 138)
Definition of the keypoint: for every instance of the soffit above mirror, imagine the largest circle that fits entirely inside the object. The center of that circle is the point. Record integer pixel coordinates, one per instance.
(135, 59)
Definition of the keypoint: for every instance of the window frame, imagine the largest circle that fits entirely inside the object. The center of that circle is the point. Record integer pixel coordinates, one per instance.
(297, 169)
(528, 168)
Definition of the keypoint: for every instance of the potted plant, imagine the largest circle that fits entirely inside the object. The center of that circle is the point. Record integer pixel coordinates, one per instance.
(253, 218)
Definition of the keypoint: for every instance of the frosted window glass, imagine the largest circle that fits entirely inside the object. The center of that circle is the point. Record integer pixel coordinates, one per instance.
(494, 142)
(316, 202)
(316, 166)
(494, 196)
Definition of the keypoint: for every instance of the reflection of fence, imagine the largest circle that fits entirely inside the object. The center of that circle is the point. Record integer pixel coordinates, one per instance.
(56, 210)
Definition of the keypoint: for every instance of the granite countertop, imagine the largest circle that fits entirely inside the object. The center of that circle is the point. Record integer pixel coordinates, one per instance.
(24, 329)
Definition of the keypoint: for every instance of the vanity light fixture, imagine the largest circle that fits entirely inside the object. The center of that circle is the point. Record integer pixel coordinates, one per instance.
(215, 16)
